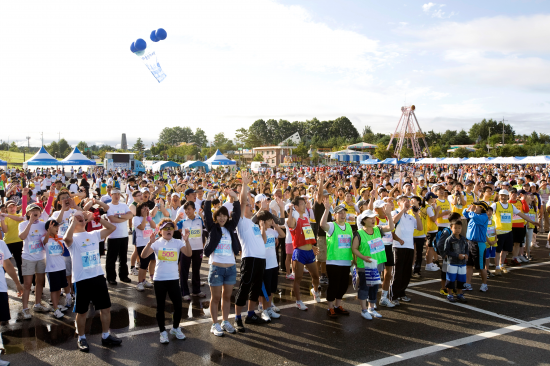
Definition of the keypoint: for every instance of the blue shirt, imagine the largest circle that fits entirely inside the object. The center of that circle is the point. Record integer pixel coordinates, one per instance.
(477, 226)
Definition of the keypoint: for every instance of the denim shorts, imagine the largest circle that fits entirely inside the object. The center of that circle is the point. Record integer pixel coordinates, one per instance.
(218, 276)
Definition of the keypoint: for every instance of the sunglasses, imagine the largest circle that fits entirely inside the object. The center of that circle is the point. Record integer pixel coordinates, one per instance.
(166, 228)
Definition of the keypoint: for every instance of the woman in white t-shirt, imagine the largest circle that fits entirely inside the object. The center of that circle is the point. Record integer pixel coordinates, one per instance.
(145, 226)
(221, 249)
(166, 278)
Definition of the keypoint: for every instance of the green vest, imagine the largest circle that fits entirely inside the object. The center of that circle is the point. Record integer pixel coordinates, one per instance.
(339, 244)
(371, 242)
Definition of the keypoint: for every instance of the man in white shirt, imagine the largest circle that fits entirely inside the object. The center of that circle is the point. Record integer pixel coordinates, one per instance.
(196, 226)
(403, 254)
(117, 244)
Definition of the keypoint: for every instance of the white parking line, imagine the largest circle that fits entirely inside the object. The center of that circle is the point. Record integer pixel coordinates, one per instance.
(456, 343)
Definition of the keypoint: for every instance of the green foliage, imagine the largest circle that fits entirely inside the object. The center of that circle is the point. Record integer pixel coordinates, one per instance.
(482, 129)
(461, 153)
(176, 135)
(222, 143)
(406, 152)
(258, 157)
(139, 146)
(381, 153)
(301, 151)
(437, 152)
(13, 147)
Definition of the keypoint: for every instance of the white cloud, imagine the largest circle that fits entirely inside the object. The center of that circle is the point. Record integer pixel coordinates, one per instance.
(428, 6)
(436, 11)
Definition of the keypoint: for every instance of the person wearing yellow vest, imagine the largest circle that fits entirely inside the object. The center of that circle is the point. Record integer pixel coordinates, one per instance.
(339, 257)
(368, 250)
(351, 212)
(491, 240)
(503, 213)
(530, 199)
(458, 202)
(432, 212)
(518, 224)
(444, 208)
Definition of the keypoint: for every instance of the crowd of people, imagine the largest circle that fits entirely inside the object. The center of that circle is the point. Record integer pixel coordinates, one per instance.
(377, 224)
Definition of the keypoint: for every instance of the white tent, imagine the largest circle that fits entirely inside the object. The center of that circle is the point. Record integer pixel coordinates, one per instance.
(76, 158)
(429, 161)
(451, 161)
(536, 160)
(476, 161)
(506, 160)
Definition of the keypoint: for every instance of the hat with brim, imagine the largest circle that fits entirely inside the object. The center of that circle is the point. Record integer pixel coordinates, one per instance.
(379, 204)
(482, 204)
(8, 203)
(366, 213)
(504, 192)
(339, 208)
(33, 206)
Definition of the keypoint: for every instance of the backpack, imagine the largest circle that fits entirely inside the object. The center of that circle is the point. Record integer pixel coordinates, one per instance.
(440, 240)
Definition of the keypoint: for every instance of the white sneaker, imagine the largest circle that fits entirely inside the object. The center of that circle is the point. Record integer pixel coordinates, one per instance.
(178, 333)
(548, 245)
(272, 314)
(374, 313)
(431, 268)
(316, 295)
(216, 329)
(39, 308)
(68, 300)
(134, 271)
(26, 314)
(58, 314)
(275, 309)
(265, 316)
(140, 287)
(228, 327)
(305, 270)
(300, 305)
(147, 284)
(164, 337)
(386, 302)
(484, 287)
(290, 276)
(366, 315)
(523, 259)
(62, 308)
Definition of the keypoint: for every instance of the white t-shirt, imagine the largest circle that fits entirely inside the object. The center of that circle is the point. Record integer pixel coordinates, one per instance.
(224, 251)
(250, 236)
(270, 251)
(5, 255)
(33, 249)
(54, 256)
(405, 230)
(64, 226)
(121, 230)
(85, 255)
(195, 235)
(142, 236)
(288, 237)
(167, 254)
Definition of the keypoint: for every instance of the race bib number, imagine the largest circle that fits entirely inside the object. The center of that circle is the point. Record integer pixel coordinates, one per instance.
(224, 248)
(505, 218)
(63, 228)
(168, 254)
(387, 239)
(491, 231)
(270, 243)
(376, 245)
(90, 259)
(195, 233)
(55, 249)
(35, 247)
(533, 217)
(256, 230)
(516, 217)
(308, 232)
(445, 217)
(147, 232)
(344, 241)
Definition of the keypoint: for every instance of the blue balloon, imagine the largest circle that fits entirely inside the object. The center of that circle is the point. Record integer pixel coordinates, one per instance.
(133, 47)
(140, 44)
(161, 34)
(153, 37)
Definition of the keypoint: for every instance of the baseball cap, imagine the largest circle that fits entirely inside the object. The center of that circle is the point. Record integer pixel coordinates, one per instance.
(430, 195)
(366, 213)
(33, 206)
(379, 204)
(339, 208)
(189, 191)
(484, 205)
(259, 197)
(504, 192)
(468, 182)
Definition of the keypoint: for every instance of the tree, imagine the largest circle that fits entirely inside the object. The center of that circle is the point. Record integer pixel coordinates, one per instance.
(241, 137)
(139, 146)
(258, 157)
(82, 146)
(406, 152)
(175, 135)
(461, 153)
(437, 152)
(301, 151)
(200, 137)
(259, 129)
(482, 129)
(342, 126)
(381, 153)
(13, 147)
(273, 133)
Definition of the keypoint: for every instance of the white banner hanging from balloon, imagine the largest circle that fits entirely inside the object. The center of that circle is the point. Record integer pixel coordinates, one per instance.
(149, 58)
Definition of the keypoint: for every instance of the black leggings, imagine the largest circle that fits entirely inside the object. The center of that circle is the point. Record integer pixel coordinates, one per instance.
(419, 246)
(338, 281)
(16, 250)
(172, 288)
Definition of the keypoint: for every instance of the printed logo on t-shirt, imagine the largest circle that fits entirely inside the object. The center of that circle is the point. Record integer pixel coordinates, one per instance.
(270, 242)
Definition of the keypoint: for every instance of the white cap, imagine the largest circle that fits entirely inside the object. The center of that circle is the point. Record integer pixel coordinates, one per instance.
(504, 192)
(379, 204)
(366, 213)
(259, 197)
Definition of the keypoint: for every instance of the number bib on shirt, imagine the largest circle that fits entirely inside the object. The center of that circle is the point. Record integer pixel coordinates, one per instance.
(63, 228)
(308, 232)
(516, 217)
(90, 259)
(256, 230)
(168, 254)
(55, 249)
(376, 245)
(195, 233)
(35, 247)
(344, 241)
(387, 239)
(147, 232)
(224, 248)
(491, 232)
(270, 243)
(533, 217)
(505, 218)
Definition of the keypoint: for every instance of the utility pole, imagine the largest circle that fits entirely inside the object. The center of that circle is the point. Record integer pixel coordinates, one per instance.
(503, 120)
(42, 134)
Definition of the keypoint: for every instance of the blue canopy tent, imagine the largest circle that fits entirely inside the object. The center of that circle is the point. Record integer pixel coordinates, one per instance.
(42, 158)
(157, 167)
(343, 157)
(3, 163)
(408, 160)
(195, 164)
(370, 161)
(77, 158)
(392, 161)
(355, 158)
(219, 159)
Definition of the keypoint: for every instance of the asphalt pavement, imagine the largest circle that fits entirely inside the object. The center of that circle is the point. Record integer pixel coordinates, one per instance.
(510, 324)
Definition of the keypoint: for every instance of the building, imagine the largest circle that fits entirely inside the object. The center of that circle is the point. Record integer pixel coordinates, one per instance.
(241, 156)
(274, 155)
(123, 143)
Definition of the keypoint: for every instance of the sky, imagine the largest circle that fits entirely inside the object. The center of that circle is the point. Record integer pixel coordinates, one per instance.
(66, 68)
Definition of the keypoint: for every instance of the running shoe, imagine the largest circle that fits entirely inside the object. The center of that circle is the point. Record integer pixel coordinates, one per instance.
(405, 299)
(111, 340)
(396, 302)
(484, 287)
(187, 298)
(178, 333)
(238, 324)
(83, 345)
(444, 292)
(316, 295)
(300, 305)
(323, 280)
(147, 284)
(134, 271)
(305, 270)
(374, 313)
(547, 246)
(290, 276)
(164, 338)
(331, 313)
(386, 302)
(535, 245)
(503, 269)
(416, 275)
(216, 329)
(451, 298)
(516, 262)
(461, 298)
(228, 327)
(523, 258)
(431, 267)
(272, 314)
(254, 319)
(39, 308)
(62, 308)
(275, 309)
(265, 316)
(68, 300)
(58, 314)
(366, 315)
(467, 287)
(341, 311)
(498, 272)
(140, 287)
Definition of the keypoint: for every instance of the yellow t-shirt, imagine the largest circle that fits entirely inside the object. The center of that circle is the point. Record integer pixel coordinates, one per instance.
(12, 236)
